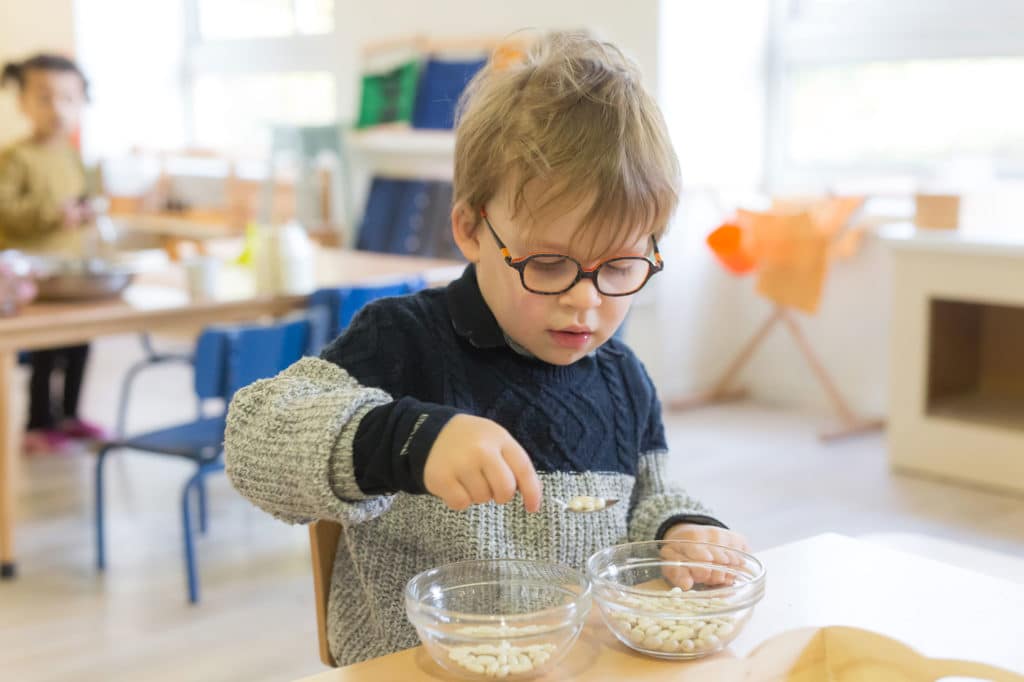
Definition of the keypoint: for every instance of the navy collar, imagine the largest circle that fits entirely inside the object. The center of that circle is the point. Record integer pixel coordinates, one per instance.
(471, 317)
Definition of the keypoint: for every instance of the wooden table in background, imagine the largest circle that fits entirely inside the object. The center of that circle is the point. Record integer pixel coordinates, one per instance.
(939, 610)
(159, 301)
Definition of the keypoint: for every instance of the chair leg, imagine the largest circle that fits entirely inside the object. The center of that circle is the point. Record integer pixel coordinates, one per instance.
(186, 526)
(196, 483)
(101, 557)
(126, 391)
(201, 495)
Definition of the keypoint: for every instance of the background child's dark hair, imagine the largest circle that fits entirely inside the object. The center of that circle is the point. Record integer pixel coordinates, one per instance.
(16, 72)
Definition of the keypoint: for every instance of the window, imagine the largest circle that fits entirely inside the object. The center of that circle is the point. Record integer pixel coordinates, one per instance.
(861, 87)
(253, 64)
(234, 112)
(135, 75)
(906, 113)
(216, 74)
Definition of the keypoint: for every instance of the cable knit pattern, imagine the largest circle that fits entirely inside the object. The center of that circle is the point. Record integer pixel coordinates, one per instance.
(300, 445)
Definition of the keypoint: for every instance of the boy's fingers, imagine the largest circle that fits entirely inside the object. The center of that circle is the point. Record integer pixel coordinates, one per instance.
(699, 573)
(457, 497)
(501, 480)
(526, 477)
(476, 485)
(679, 576)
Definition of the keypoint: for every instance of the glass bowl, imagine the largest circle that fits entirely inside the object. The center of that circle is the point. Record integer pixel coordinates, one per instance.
(635, 586)
(498, 618)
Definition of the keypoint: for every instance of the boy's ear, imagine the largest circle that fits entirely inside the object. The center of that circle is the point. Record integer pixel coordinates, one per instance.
(466, 230)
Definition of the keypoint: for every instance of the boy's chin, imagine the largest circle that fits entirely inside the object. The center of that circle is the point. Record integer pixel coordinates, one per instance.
(562, 356)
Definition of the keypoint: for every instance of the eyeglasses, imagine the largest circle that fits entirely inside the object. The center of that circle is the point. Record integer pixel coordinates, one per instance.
(550, 274)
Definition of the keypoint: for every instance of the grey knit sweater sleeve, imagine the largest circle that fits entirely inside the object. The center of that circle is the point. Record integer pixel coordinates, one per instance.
(657, 499)
(288, 444)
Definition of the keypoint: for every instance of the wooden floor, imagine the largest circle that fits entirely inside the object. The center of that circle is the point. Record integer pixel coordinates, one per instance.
(762, 470)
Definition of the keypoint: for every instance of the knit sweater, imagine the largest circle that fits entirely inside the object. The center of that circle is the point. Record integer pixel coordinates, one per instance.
(35, 182)
(345, 437)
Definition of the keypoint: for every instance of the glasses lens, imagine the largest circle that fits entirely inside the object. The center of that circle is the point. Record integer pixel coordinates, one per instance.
(549, 274)
(622, 275)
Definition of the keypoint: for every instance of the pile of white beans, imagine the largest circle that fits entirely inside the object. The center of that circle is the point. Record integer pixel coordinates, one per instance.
(689, 633)
(586, 503)
(502, 659)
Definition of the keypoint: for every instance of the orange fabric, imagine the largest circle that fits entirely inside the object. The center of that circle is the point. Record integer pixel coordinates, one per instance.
(727, 243)
(792, 257)
(790, 246)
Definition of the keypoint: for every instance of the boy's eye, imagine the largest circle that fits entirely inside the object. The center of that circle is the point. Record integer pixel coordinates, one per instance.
(551, 262)
(621, 267)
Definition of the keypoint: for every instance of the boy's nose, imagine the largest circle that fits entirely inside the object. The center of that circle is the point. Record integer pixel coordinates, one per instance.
(583, 295)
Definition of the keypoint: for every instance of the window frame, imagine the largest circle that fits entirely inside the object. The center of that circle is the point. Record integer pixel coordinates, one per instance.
(844, 32)
(254, 56)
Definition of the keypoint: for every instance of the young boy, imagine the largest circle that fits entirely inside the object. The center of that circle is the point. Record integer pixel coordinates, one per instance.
(42, 185)
(416, 428)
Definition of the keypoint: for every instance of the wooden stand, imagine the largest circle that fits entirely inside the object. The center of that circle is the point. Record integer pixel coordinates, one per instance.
(849, 423)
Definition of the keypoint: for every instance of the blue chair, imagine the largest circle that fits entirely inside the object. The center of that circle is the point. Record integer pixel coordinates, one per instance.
(337, 306)
(226, 359)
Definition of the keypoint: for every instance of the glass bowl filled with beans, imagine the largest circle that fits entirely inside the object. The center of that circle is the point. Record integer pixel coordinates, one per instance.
(499, 618)
(675, 598)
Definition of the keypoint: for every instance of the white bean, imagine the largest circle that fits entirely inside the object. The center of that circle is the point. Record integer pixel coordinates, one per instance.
(502, 660)
(710, 642)
(586, 503)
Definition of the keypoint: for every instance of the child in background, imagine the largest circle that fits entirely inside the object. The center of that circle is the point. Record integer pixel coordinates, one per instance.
(446, 425)
(42, 207)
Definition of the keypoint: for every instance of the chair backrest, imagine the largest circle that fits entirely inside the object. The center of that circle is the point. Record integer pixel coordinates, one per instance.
(230, 357)
(323, 544)
(340, 305)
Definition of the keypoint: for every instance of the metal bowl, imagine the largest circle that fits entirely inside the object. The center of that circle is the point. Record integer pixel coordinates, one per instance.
(83, 287)
(80, 279)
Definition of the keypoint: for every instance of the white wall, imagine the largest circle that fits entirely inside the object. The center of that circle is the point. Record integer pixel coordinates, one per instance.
(27, 28)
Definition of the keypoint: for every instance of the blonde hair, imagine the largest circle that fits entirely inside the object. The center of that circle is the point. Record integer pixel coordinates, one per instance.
(570, 119)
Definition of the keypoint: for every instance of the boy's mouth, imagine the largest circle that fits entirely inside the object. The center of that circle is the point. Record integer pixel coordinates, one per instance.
(574, 338)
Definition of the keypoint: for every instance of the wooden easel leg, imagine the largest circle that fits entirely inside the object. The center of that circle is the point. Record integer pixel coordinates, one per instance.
(721, 393)
(849, 423)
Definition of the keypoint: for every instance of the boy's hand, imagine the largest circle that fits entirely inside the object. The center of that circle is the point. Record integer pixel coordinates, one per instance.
(75, 214)
(474, 460)
(687, 577)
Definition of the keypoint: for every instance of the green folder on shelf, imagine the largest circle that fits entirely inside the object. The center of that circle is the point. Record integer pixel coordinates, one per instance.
(389, 97)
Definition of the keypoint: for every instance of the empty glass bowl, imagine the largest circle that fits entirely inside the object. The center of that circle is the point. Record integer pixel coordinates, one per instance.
(637, 587)
(500, 618)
